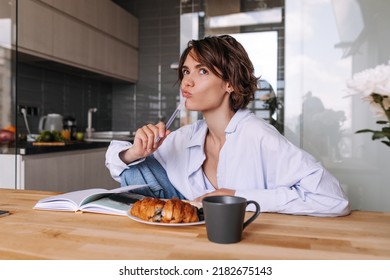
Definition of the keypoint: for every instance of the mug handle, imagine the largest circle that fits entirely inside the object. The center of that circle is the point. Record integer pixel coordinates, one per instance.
(255, 214)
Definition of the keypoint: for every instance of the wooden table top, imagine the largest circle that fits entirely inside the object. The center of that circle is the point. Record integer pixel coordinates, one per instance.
(34, 234)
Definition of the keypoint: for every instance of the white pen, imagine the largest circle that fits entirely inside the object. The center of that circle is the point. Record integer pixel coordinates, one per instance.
(173, 116)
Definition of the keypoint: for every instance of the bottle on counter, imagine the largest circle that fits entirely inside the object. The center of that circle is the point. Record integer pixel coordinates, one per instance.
(71, 126)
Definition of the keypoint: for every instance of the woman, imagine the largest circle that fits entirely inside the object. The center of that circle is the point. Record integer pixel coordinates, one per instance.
(230, 151)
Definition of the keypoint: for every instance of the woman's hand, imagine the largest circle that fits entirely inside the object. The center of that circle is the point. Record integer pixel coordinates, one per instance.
(145, 142)
(217, 192)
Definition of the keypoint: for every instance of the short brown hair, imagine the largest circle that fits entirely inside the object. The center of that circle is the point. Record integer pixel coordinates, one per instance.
(227, 59)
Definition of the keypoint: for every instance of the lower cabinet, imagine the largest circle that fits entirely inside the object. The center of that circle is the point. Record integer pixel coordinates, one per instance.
(9, 164)
(64, 171)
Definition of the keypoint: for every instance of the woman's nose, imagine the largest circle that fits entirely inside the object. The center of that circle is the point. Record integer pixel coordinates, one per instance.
(187, 81)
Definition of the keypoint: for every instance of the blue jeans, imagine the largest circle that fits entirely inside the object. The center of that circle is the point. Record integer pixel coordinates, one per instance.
(150, 172)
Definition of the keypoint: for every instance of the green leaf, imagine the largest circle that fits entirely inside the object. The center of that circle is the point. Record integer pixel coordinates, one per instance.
(386, 143)
(385, 133)
(365, 130)
(378, 135)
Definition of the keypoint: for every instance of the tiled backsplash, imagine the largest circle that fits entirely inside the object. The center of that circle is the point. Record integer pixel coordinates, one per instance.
(156, 93)
(63, 92)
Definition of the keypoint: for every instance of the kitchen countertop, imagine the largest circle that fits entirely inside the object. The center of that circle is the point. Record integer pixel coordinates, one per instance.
(102, 140)
(27, 148)
(33, 234)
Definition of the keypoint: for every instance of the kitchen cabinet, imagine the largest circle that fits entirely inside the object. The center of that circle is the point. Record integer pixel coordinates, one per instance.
(71, 47)
(98, 50)
(35, 28)
(122, 60)
(103, 15)
(94, 35)
(60, 172)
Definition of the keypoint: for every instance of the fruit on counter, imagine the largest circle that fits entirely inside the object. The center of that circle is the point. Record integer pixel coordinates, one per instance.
(79, 136)
(10, 128)
(50, 136)
(7, 134)
(65, 134)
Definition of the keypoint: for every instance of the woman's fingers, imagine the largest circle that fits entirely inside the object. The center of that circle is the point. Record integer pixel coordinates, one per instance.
(146, 137)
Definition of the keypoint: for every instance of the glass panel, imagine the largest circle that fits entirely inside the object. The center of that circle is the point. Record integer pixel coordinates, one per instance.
(259, 27)
(245, 19)
(323, 45)
(7, 100)
(262, 50)
(326, 43)
(5, 64)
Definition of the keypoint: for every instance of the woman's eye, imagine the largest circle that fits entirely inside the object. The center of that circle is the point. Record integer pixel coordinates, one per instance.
(185, 72)
(203, 71)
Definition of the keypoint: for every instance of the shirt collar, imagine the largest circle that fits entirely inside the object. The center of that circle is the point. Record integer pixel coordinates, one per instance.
(196, 143)
(200, 129)
(195, 147)
(238, 116)
(199, 134)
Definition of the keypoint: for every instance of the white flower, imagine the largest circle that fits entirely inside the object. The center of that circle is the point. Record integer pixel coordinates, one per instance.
(369, 81)
(375, 80)
(374, 86)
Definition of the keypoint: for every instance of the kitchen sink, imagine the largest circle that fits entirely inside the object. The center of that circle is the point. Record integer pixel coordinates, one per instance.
(107, 136)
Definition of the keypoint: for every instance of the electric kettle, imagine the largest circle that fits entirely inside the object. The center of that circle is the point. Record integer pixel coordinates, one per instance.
(51, 122)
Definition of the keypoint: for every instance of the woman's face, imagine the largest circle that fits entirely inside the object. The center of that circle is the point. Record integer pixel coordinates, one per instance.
(203, 90)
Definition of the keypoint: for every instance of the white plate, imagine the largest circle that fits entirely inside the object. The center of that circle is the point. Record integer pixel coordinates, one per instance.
(163, 224)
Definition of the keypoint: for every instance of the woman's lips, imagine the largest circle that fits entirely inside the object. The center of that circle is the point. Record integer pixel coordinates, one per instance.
(186, 94)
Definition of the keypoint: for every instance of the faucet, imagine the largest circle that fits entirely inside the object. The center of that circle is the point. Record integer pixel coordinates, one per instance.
(89, 128)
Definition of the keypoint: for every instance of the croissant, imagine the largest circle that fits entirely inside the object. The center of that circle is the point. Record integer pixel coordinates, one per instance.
(148, 209)
(171, 211)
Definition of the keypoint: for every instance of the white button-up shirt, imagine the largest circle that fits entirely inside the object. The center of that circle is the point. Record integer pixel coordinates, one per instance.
(256, 161)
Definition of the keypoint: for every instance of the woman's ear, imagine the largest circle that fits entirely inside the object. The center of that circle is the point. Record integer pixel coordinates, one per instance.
(229, 88)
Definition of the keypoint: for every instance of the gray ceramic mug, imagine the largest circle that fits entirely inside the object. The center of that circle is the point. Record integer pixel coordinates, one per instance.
(224, 216)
